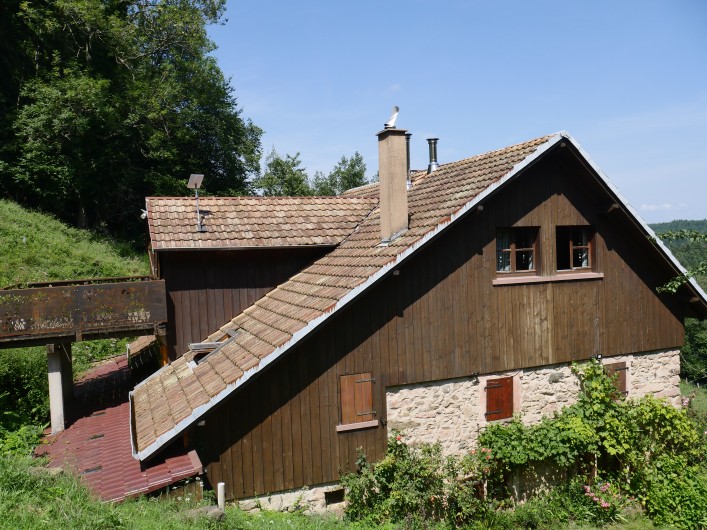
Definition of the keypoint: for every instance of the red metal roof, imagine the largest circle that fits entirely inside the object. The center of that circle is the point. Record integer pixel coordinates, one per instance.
(96, 447)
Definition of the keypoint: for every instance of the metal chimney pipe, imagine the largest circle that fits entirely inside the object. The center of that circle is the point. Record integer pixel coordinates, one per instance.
(407, 148)
(433, 155)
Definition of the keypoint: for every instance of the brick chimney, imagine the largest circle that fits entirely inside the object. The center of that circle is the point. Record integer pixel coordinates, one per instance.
(392, 174)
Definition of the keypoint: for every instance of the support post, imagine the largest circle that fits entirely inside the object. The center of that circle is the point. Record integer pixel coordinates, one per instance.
(161, 335)
(61, 383)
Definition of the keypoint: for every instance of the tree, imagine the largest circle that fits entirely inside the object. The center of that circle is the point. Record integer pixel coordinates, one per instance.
(283, 176)
(105, 102)
(696, 267)
(347, 173)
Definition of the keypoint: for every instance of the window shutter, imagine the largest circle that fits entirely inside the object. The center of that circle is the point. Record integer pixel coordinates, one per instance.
(499, 398)
(617, 373)
(356, 398)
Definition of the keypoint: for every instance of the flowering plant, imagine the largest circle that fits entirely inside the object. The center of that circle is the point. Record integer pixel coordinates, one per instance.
(602, 502)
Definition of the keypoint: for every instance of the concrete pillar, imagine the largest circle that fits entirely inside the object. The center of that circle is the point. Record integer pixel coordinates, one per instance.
(61, 383)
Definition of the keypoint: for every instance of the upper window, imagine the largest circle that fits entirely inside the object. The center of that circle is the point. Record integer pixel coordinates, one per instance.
(574, 247)
(516, 250)
(356, 399)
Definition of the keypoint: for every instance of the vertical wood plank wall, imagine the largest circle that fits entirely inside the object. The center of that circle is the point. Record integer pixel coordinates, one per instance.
(440, 318)
(206, 289)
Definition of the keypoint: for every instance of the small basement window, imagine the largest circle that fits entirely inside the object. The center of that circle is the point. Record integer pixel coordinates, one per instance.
(516, 250)
(617, 373)
(334, 496)
(499, 398)
(356, 402)
(574, 247)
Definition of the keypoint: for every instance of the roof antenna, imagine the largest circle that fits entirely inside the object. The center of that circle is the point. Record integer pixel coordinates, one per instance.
(194, 183)
(390, 124)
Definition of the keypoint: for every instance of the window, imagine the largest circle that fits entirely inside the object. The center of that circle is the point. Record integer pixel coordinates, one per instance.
(574, 247)
(356, 393)
(516, 250)
(617, 373)
(499, 398)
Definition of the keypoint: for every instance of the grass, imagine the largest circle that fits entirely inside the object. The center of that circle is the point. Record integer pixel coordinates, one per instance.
(699, 401)
(35, 247)
(36, 500)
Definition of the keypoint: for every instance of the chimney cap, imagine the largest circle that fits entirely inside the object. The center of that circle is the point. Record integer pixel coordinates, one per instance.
(390, 124)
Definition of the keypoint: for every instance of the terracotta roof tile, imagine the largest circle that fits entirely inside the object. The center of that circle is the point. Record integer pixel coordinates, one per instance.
(235, 222)
(274, 319)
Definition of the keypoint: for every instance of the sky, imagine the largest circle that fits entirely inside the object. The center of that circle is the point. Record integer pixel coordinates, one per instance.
(627, 79)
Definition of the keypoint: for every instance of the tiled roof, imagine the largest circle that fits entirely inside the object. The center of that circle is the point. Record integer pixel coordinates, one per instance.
(178, 394)
(96, 447)
(253, 221)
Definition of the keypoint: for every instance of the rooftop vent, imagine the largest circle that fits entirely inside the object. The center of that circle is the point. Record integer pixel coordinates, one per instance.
(433, 155)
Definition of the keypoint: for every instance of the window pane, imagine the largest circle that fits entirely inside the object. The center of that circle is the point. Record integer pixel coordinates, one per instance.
(580, 257)
(579, 237)
(503, 261)
(524, 260)
(563, 248)
(525, 238)
(503, 239)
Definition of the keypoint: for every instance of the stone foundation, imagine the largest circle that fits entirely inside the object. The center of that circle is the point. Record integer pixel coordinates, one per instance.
(452, 411)
(312, 500)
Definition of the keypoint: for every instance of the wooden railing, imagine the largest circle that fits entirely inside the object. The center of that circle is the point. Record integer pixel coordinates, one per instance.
(81, 310)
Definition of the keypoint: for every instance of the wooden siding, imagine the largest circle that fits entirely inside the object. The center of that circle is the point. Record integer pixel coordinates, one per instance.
(206, 289)
(440, 318)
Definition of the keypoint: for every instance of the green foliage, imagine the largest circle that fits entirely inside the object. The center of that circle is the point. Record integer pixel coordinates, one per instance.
(690, 247)
(688, 242)
(677, 493)
(347, 173)
(23, 380)
(104, 103)
(283, 176)
(412, 485)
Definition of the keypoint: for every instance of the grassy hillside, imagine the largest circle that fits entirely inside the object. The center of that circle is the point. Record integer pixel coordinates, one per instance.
(35, 247)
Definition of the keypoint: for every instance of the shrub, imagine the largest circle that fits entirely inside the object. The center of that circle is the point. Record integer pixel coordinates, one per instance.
(676, 494)
(415, 484)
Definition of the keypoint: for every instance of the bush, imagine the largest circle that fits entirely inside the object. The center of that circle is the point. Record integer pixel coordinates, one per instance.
(676, 495)
(416, 484)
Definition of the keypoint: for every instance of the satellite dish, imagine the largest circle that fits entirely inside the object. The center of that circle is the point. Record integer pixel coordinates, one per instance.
(390, 124)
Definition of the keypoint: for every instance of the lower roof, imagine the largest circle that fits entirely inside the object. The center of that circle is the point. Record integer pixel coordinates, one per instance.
(252, 222)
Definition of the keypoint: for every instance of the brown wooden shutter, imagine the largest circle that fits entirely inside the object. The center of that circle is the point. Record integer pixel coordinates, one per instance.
(499, 398)
(617, 373)
(356, 398)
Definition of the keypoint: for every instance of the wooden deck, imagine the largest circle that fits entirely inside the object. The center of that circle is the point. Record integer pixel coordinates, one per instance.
(80, 310)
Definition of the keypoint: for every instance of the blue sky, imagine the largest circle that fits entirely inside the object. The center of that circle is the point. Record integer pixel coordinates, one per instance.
(628, 79)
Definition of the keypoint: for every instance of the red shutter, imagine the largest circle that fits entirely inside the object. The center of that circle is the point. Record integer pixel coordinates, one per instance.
(617, 373)
(499, 398)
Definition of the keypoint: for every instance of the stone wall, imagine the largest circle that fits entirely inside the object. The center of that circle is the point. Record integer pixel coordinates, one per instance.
(452, 411)
(311, 500)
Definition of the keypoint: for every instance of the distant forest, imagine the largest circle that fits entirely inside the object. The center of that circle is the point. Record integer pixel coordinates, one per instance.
(690, 253)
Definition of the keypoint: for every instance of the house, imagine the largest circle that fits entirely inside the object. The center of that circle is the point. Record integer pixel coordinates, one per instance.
(456, 302)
